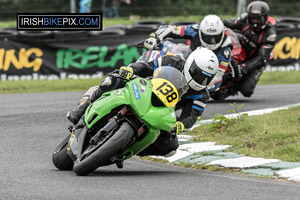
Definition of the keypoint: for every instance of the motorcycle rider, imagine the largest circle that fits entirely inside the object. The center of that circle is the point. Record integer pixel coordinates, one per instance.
(257, 34)
(210, 33)
(199, 69)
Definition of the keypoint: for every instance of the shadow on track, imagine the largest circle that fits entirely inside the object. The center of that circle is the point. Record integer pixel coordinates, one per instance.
(111, 173)
(233, 100)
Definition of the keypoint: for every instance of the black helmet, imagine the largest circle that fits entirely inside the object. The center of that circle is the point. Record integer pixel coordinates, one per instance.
(258, 13)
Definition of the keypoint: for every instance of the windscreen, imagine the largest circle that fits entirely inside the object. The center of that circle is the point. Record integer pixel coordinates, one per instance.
(174, 76)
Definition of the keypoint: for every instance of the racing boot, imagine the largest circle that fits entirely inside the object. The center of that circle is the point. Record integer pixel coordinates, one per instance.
(75, 115)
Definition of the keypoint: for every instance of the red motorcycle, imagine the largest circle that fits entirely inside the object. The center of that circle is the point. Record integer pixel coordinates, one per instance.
(229, 79)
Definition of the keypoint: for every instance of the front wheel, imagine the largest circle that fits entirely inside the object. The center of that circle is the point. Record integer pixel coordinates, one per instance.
(60, 158)
(94, 157)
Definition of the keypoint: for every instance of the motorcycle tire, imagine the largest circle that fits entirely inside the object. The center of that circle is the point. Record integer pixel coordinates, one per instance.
(60, 158)
(102, 155)
(217, 97)
(220, 95)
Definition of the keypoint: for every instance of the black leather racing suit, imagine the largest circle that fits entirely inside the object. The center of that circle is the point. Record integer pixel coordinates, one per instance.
(258, 45)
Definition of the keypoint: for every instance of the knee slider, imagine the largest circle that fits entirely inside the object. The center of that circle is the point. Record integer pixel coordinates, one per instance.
(106, 82)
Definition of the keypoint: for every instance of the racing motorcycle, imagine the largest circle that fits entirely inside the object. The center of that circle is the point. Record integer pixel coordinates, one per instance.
(178, 48)
(229, 80)
(165, 47)
(122, 122)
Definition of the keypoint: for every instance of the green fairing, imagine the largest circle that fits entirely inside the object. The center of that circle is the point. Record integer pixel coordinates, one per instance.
(140, 145)
(103, 106)
(159, 117)
(138, 97)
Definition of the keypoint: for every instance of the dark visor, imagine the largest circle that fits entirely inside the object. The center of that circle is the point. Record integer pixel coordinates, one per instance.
(200, 76)
(211, 39)
(257, 19)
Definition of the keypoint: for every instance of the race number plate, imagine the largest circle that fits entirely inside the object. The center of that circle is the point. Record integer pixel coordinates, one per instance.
(165, 91)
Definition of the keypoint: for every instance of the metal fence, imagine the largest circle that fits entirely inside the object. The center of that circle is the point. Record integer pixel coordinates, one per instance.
(153, 8)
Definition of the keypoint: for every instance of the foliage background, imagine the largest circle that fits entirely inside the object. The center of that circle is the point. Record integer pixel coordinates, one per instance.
(157, 8)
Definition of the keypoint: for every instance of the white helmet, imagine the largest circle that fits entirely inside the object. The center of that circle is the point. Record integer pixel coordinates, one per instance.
(200, 68)
(211, 32)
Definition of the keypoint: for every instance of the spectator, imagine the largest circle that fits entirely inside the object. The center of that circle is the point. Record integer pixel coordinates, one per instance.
(110, 8)
(85, 6)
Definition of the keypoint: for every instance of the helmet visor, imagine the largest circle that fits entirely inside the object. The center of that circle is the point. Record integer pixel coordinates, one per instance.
(200, 76)
(257, 20)
(211, 39)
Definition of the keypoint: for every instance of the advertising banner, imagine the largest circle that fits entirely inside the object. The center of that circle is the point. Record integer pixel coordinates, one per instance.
(53, 59)
(286, 51)
(88, 57)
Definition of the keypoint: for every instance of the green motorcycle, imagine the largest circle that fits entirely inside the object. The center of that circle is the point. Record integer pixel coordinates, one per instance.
(122, 122)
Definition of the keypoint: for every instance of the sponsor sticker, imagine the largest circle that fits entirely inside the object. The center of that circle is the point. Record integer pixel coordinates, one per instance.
(143, 89)
(136, 91)
(224, 63)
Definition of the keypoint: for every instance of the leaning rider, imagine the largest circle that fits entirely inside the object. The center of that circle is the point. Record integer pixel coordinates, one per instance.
(258, 36)
(199, 69)
(211, 34)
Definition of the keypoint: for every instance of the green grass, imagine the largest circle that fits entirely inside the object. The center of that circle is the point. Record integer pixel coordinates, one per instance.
(46, 85)
(277, 77)
(275, 135)
(8, 24)
(84, 84)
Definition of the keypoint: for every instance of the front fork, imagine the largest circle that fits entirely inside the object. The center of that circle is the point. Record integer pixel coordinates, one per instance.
(138, 142)
(112, 124)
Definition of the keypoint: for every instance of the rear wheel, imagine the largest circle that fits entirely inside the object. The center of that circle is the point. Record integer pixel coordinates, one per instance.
(100, 154)
(60, 158)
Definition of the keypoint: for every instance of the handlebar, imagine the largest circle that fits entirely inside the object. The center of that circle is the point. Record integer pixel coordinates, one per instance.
(141, 45)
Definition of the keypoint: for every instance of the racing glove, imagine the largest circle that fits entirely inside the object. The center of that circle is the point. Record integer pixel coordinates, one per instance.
(178, 128)
(244, 69)
(126, 72)
(151, 42)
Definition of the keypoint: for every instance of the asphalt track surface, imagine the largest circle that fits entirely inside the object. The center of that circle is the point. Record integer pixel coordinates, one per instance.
(32, 125)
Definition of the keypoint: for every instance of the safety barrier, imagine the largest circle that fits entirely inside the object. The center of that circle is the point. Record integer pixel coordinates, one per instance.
(58, 54)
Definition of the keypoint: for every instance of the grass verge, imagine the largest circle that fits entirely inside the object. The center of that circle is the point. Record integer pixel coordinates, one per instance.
(32, 86)
(83, 84)
(274, 136)
(279, 77)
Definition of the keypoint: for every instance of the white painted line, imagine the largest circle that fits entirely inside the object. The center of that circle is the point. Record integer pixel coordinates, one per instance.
(250, 113)
(203, 146)
(179, 154)
(188, 149)
(294, 178)
(242, 162)
(287, 173)
(265, 111)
